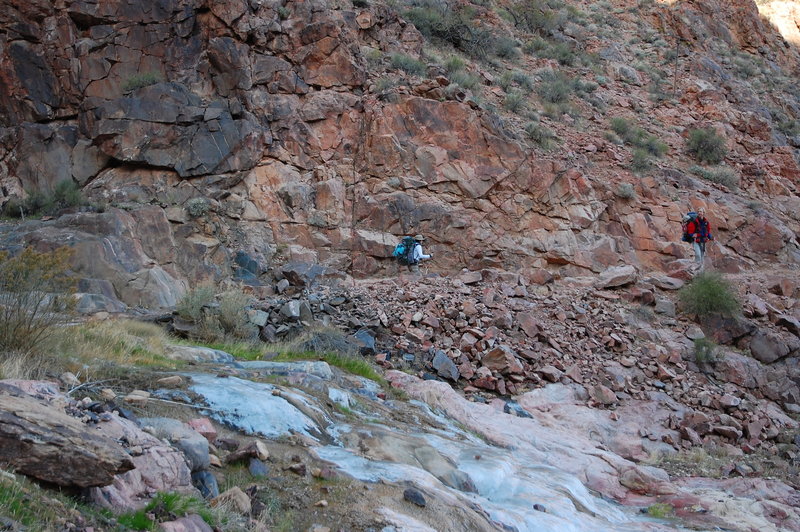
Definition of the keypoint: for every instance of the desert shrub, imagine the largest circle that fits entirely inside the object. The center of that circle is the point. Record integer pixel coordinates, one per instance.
(706, 146)
(724, 175)
(504, 81)
(514, 101)
(535, 45)
(384, 84)
(408, 64)
(374, 58)
(233, 318)
(640, 161)
(555, 87)
(197, 207)
(456, 25)
(191, 305)
(626, 191)
(540, 135)
(704, 351)
(220, 318)
(454, 64)
(563, 53)
(35, 297)
(745, 66)
(709, 293)
(637, 137)
(522, 79)
(284, 13)
(537, 16)
(66, 194)
(138, 81)
(465, 80)
(505, 47)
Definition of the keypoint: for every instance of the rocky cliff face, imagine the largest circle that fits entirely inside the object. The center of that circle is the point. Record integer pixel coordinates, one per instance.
(307, 145)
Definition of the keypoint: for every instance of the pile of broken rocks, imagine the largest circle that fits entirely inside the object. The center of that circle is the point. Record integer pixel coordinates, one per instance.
(617, 335)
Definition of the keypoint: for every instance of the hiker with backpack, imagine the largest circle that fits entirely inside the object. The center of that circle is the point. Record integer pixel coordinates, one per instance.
(697, 231)
(409, 252)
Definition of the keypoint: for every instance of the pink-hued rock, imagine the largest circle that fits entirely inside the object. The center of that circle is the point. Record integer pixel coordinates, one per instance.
(502, 359)
(557, 436)
(158, 468)
(204, 426)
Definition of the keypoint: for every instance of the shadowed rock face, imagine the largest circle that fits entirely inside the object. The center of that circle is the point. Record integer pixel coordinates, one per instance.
(275, 114)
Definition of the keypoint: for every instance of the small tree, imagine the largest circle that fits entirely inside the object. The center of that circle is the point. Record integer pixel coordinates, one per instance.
(35, 296)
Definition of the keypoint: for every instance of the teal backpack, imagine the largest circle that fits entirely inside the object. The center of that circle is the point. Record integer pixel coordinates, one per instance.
(404, 251)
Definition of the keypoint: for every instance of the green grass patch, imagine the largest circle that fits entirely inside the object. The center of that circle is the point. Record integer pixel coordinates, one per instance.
(660, 510)
(138, 81)
(350, 363)
(44, 510)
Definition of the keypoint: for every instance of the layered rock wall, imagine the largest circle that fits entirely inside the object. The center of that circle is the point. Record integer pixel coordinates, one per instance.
(273, 114)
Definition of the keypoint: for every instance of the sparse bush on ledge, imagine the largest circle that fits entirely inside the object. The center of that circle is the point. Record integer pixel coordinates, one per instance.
(408, 64)
(706, 146)
(65, 195)
(540, 135)
(626, 191)
(709, 293)
(724, 175)
(138, 81)
(219, 318)
(514, 102)
(197, 207)
(705, 351)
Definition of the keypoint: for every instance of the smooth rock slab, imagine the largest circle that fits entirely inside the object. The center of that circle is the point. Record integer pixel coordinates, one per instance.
(317, 368)
(198, 354)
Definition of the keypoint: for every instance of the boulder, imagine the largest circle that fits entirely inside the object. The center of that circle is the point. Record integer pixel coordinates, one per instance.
(602, 395)
(204, 427)
(193, 444)
(444, 366)
(616, 276)
(39, 440)
(724, 330)
(190, 523)
(502, 359)
(235, 498)
(768, 347)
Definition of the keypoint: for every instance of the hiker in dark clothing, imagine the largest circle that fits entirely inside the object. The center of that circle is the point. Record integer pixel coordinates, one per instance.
(700, 231)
